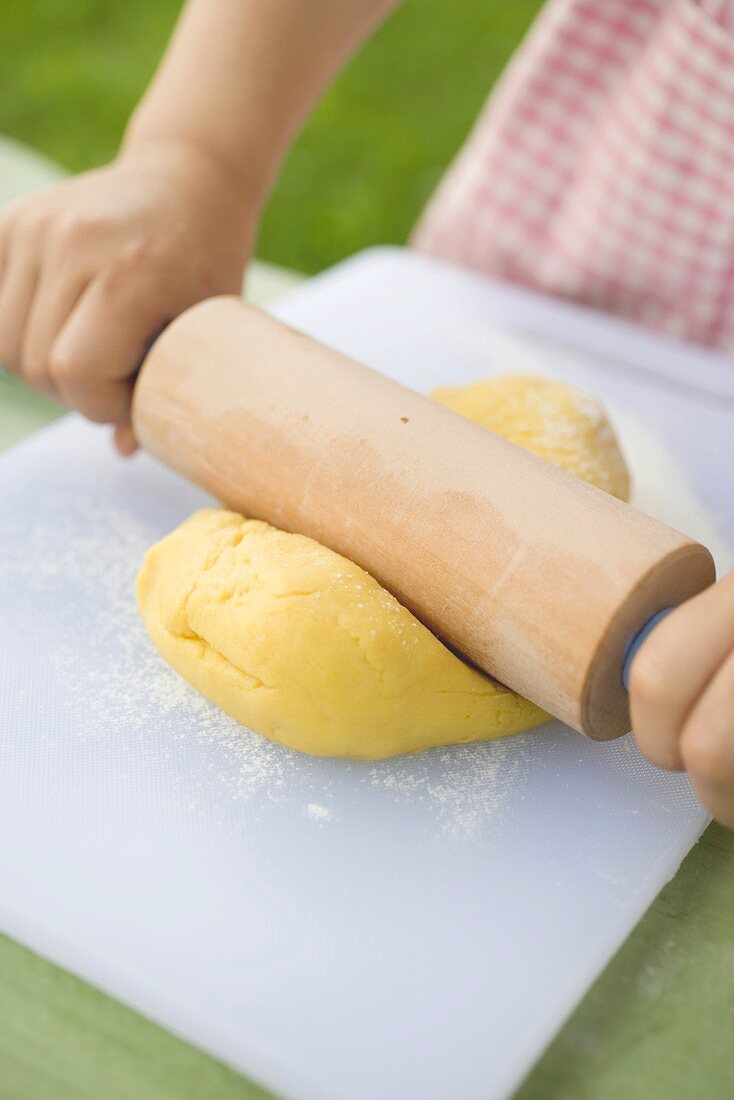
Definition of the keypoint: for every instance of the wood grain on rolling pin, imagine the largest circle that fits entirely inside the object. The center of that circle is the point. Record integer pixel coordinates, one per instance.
(534, 575)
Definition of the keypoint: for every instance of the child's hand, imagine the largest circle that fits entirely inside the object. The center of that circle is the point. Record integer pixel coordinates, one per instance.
(93, 268)
(682, 696)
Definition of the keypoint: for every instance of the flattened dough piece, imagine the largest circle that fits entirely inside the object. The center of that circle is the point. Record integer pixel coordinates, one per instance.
(301, 645)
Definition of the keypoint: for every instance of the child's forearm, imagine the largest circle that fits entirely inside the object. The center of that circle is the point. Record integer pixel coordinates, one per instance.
(239, 76)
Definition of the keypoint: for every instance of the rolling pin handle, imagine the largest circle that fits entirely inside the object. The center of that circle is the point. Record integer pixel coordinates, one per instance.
(636, 640)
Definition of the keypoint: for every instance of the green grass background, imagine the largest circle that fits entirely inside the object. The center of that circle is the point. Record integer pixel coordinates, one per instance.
(72, 70)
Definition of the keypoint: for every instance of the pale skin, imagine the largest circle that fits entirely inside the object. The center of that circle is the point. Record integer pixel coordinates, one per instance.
(93, 268)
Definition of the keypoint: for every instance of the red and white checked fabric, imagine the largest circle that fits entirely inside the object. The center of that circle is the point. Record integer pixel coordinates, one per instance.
(602, 167)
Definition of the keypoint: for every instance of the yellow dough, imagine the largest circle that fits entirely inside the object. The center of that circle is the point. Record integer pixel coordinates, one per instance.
(554, 421)
(303, 646)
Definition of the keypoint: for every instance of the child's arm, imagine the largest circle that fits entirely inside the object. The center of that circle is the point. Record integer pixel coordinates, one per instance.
(92, 268)
(682, 696)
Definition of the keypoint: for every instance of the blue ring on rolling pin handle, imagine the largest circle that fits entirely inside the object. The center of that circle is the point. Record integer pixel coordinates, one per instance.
(636, 640)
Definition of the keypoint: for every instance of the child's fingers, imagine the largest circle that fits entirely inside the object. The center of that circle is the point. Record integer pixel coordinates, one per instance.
(99, 349)
(673, 667)
(10, 229)
(17, 288)
(707, 744)
(56, 295)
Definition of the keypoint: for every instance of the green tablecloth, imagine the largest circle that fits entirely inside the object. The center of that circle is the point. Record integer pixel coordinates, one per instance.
(658, 1024)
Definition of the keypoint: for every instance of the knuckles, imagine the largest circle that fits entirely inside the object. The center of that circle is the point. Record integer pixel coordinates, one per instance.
(32, 223)
(142, 253)
(79, 228)
(64, 370)
(138, 263)
(27, 224)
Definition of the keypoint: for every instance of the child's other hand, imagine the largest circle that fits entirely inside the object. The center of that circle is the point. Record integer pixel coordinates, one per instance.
(93, 268)
(682, 696)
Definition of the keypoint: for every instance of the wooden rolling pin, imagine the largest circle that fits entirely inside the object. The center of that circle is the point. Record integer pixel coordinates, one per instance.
(537, 577)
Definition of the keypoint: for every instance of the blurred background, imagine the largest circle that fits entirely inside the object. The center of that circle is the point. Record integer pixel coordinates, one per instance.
(71, 72)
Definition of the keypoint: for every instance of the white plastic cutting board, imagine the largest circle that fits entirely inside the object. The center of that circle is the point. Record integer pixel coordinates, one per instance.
(417, 928)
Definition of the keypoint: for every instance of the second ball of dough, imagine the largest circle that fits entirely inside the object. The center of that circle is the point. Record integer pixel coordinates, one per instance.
(550, 419)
